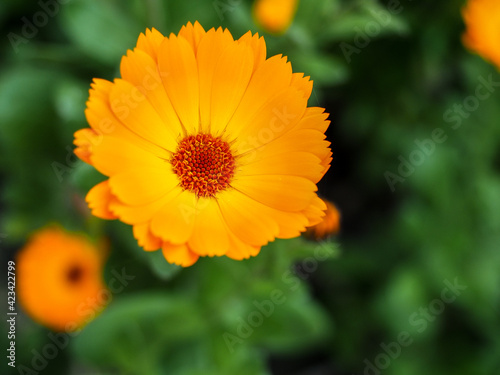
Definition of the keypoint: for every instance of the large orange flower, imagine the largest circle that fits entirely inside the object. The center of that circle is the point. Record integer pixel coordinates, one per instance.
(209, 147)
(482, 18)
(59, 279)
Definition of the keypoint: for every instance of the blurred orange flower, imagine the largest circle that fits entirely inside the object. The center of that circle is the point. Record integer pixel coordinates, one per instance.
(209, 147)
(59, 279)
(275, 16)
(482, 19)
(330, 224)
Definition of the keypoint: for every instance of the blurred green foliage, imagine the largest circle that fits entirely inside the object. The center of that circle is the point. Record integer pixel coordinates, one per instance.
(389, 72)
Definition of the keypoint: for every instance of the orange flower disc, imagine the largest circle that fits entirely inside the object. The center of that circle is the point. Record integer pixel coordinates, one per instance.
(204, 164)
(209, 147)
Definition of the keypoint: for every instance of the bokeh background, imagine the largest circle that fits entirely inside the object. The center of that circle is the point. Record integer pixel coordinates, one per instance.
(412, 282)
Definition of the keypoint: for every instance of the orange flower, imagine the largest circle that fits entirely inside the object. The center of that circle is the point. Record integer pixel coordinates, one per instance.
(482, 19)
(275, 16)
(209, 147)
(328, 226)
(59, 279)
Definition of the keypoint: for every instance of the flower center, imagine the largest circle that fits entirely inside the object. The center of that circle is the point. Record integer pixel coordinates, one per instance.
(74, 274)
(204, 164)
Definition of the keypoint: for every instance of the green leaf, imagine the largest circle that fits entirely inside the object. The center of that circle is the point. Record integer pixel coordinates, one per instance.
(102, 29)
(403, 296)
(69, 103)
(365, 26)
(209, 356)
(137, 330)
(299, 248)
(288, 323)
(323, 69)
(27, 111)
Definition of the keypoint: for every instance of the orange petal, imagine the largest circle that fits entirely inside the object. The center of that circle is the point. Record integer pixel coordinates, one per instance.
(303, 84)
(212, 44)
(231, 77)
(84, 141)
(301, 140)
(271, 78)
(314, 118)
(175, 220)
(239, 250)
(113, 155)
(245, 218)
(139, 214)
(238, 208)
(210, 233)
(141, 70)
(144, 185)
(179, 254)
(291, 224)
(145, 238)
(287, 193)
(179, 72)
(193, 34)
(100, 89)
(316, 211)
(302, 164)
(328, 225)
(276, 118)
(133, 109)
(258, 46)
(98, 199)
(150, 42)
(102, 119)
